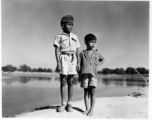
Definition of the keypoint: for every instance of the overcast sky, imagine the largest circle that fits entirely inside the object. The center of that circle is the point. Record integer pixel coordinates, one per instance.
(29, 28)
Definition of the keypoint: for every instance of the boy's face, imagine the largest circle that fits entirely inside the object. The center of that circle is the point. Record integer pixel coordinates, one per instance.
(67, 27)
(90, 44)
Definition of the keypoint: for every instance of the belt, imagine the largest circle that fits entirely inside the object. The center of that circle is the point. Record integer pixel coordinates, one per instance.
(65, 53)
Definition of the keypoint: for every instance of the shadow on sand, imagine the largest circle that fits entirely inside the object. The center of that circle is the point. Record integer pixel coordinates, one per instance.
(55, 107)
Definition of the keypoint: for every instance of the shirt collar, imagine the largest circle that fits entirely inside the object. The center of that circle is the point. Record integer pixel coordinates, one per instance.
(93, 50)
(63, 33)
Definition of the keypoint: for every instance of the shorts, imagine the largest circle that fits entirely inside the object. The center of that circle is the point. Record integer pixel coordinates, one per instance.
(88, 80)
(68, 64)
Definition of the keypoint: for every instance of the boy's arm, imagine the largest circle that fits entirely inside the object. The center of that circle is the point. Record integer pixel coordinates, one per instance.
(57, 53)
(78, 59)
(101, 61)
(79, 72)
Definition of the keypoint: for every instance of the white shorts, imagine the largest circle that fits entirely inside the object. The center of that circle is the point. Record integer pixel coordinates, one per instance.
(68, 64)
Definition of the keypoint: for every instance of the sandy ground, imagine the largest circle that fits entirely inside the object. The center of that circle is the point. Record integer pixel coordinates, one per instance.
(133, 106)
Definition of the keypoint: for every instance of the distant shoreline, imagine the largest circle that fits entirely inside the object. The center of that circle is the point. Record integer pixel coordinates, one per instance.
(44, 74)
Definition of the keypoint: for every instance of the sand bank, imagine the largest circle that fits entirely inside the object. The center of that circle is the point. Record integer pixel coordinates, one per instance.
(134, 106)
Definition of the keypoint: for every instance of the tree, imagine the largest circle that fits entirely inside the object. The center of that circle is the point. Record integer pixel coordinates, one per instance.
(24, 68)
(49, 70)
(130, 70)
(147, 71)
(122, 71)
(44, 70)
(4, 68)
(141, 70)
(34, 70)
(119, 71)
(112, 71)
(99, 72)
(105, 71)
(116, 71)
(39, 70)
(15, 69)
(9, 68)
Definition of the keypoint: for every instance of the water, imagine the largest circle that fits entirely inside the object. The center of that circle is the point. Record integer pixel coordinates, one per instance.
(22, 94)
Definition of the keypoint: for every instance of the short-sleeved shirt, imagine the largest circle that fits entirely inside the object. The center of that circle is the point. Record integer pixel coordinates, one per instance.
(89, 65)
(67, 43)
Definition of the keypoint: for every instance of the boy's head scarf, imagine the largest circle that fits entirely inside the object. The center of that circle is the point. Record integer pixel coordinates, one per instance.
(67, 19)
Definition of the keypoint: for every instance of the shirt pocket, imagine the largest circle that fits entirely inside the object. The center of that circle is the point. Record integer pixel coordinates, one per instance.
(64, 43)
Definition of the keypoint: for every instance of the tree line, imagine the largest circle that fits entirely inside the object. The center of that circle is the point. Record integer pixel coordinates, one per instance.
(121, 71)
(118, 71)
(24, 68)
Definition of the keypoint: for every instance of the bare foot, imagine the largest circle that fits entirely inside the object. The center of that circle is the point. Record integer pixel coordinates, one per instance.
(90, 113)
(85, 112)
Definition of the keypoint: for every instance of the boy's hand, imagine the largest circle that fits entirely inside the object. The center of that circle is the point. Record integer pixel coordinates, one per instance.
(58, 68)
(78, 68)
(79, 77)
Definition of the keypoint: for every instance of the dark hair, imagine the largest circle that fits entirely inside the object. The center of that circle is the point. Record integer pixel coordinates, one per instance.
(89, 37)
(67, 19)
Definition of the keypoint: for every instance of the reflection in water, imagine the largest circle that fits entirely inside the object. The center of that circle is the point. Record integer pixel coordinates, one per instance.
(48, 78)
(43, 78)
(130, 84)
(119, 83)
(127, 81)
(26, 79)
(134, 80)
(57, 78)
(8, 81)
(75, 80)
(107, 81)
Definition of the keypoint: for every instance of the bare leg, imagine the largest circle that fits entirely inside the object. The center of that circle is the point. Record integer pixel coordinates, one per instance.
(70, 87)
(92, 100)
(63, 88)
(86, 100)
(62, 91)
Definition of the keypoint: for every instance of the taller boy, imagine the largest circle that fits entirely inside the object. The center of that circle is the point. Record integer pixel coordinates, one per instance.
(67, 56)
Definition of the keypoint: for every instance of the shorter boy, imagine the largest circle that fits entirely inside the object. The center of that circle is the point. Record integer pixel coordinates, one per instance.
(90, 60)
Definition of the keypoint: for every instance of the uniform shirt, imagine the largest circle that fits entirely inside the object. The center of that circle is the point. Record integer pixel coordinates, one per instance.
(67, 43)
(89, 65)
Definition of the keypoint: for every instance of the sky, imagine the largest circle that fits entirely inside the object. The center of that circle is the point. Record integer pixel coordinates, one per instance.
(29, 28)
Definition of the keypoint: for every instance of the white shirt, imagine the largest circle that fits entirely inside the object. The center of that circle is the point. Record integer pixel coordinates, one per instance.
(67, 43)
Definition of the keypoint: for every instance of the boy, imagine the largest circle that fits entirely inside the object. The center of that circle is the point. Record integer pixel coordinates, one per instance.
(66, 51)
(90, 60)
